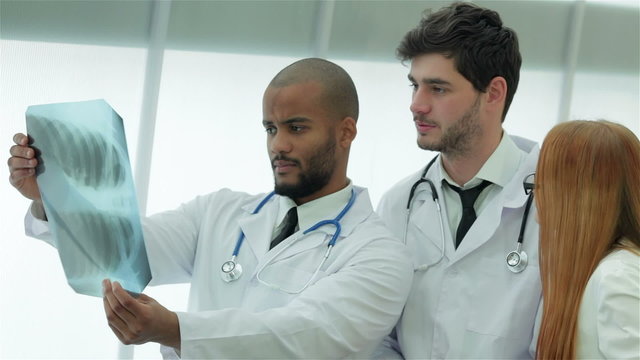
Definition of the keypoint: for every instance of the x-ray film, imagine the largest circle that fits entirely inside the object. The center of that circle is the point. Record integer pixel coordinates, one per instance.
(88, 194)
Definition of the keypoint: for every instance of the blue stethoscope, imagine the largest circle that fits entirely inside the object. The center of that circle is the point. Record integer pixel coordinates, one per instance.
(517, 260)
(231, 269)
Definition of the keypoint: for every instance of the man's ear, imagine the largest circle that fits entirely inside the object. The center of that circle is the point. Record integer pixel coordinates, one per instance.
(495, 97)
(348, 132)
(497, 93)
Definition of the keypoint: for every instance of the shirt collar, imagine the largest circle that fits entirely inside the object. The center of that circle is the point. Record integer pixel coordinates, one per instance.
(326, 207)
(499, 167)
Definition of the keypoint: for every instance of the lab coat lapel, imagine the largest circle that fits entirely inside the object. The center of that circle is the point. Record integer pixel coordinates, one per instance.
(428, 226)
(482, 229)
(258, 228)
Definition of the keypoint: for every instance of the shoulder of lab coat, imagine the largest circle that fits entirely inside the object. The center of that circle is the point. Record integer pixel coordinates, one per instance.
(609, 317)
(393, 204)
(513, 193)
(524, 144)
(345, 314)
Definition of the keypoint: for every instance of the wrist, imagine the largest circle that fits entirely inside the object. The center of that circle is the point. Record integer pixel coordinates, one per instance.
(173, 336)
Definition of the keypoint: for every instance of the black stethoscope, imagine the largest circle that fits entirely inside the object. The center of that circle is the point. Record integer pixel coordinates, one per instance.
(231, 269)
(517, 260)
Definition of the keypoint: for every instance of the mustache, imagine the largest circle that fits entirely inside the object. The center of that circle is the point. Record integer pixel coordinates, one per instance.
(284, 158)
(423, 119)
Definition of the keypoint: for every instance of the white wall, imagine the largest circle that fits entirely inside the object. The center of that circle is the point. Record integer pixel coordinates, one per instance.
(209, 135)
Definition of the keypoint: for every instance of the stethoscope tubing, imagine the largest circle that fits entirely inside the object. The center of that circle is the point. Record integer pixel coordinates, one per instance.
(521, 255)
(335, 222)
(436, 199)
(236, 249)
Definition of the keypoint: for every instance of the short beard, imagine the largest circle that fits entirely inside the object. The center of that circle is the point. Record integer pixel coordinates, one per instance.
(320, 169)
(458, 139)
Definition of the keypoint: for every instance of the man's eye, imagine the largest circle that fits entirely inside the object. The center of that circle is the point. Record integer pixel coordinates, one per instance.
(438, 90)
(270, 130)
(296, 128)
(414, 86)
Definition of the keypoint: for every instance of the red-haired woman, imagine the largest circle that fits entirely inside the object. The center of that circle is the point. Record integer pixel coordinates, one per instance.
(587, 191)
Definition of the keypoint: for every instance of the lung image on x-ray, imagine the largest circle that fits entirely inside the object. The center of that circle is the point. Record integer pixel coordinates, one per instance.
(87, 189)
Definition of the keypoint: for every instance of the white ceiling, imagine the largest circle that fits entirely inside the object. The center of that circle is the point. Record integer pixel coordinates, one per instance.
(367, 29)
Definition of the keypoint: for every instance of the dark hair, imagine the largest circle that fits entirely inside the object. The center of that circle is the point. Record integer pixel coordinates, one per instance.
(475, 39)
(339, 91)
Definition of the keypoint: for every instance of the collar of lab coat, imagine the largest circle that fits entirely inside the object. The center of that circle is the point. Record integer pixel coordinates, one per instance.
(326, 207)
(258, 227)
(514, 196)
(513, 193)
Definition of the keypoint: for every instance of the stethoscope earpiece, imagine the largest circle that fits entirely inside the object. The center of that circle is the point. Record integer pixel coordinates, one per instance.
(231, 271)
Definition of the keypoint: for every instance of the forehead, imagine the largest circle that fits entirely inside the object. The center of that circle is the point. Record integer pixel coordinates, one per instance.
(435, 66)
(292, 100)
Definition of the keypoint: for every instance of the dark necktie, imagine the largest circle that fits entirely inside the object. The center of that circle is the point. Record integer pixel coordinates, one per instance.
(290, 222)
(467, 198)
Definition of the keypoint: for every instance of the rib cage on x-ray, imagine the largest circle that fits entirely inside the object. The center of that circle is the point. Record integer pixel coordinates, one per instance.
(87, 190)
(87, 159)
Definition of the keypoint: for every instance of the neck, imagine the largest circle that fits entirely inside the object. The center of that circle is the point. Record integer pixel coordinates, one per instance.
(463, 167)
(330, 188)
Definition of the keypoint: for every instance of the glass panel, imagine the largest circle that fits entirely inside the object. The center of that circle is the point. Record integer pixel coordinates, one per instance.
(534, 110)
(36, 305)
(614, 97)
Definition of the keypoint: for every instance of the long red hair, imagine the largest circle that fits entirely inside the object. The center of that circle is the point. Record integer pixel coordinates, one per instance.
(588, 199)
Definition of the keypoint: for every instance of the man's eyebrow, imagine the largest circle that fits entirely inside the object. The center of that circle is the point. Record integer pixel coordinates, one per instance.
(293, 120)
(430, 81)
(298, 119)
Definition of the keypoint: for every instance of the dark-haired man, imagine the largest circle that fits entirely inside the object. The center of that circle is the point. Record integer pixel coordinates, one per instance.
(291, 300)
(467, 301)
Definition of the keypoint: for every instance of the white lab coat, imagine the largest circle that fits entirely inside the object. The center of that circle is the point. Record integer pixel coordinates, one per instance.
(609, 317)
(352, 304)
(469, 305)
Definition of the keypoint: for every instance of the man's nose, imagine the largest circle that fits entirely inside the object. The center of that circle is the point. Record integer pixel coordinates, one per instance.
(420, 102)
(280, 143)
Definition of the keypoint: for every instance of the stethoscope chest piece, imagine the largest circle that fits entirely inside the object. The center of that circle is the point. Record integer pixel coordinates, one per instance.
(517, 260)
(231, 271)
